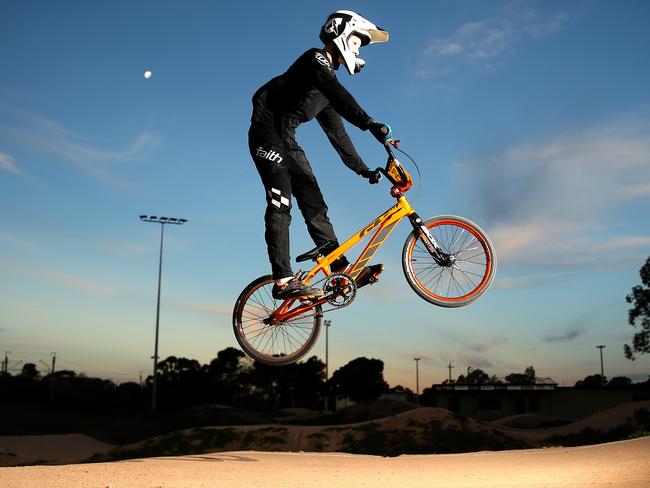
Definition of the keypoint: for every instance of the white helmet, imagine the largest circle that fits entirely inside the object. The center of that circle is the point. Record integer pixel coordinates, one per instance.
(338, 28)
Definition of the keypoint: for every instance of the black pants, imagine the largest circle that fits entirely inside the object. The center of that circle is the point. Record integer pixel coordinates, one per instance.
(286, 174)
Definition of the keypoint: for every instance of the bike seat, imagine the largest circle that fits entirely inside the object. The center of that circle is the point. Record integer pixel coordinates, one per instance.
(317, 251)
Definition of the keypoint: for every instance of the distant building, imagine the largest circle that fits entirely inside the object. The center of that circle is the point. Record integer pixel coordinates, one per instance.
(494, 401)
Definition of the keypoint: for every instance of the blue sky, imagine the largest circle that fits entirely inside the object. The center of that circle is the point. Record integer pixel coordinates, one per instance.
(530, 118)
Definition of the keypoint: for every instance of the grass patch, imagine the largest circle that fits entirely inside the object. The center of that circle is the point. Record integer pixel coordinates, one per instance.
(198, 441)
(589, 436)
(371, 439)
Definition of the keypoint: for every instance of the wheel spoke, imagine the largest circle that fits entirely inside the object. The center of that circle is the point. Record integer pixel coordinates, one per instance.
(467, 273)
(279, 342)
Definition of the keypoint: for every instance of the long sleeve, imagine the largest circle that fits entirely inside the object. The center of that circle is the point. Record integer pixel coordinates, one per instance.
(331, 123)
(339, 98)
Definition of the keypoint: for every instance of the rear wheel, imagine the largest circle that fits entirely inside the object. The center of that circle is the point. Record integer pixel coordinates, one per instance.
(467, 271)
(279, 343)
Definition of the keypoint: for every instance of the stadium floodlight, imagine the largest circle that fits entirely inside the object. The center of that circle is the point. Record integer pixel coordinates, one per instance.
(162, 221)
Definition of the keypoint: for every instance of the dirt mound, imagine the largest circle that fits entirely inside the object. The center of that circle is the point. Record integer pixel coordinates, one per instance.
(49, 449)
(360, 412)
(416, 431)
(633, 416)
(374, 410)
(530, 421)
(424, 430)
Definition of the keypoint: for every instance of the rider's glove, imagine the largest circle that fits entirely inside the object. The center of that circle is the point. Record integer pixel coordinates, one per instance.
(373, 176)
(382, 132)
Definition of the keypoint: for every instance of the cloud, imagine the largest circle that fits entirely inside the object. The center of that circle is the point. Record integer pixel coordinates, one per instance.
(17, 242)
(125, 249)
(566, 337)
(642, 190)
(205, 308)
(553, 203)
(475, 361)
(49, 136)
(57, 278)
(7, 164)
(486, 346)
(479, 44)
(474, 41)
(76, 282)
(535, 280)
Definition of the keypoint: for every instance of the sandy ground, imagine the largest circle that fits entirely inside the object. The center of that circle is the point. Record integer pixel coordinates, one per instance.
(620, 464)
(48, 449)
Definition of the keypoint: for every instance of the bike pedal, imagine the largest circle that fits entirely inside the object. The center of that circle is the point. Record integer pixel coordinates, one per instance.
(370, 277)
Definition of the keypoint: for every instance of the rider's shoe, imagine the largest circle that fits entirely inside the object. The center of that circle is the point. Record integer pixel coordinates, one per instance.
(295, 289)
(369, 275)
(340, 265)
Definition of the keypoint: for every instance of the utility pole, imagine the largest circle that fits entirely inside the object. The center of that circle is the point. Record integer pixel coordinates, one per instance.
(327, 390)
(162, 221)
(52, 376)
(450, 366)
(417, 380)
(602, 369)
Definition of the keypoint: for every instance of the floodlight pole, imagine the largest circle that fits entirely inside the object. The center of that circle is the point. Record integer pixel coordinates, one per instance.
(327, 392)
(417, 380)
(602, 369)
(162, 221)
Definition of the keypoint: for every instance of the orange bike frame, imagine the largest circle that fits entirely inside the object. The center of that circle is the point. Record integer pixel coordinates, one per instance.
(384, 224)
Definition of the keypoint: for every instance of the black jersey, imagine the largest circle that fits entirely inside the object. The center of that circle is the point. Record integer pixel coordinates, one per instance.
(309, 89)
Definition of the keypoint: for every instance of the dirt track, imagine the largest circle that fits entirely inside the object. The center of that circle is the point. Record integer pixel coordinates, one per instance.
(620, 464)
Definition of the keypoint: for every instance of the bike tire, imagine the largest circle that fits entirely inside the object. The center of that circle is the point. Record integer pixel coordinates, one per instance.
(278, 344)
(457, 285)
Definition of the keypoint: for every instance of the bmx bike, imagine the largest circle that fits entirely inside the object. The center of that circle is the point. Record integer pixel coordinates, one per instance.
(447, 260)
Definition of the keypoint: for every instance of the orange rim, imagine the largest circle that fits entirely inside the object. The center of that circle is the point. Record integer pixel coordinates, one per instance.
(486, 253)
(299, 342)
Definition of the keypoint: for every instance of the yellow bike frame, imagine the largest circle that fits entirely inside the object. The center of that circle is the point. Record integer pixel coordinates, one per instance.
(384, 224)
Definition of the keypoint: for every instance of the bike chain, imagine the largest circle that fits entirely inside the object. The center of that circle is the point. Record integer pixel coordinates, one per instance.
(334, 306)
(351, 295)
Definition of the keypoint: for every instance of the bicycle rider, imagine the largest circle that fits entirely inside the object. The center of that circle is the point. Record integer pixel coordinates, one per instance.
(309, 89)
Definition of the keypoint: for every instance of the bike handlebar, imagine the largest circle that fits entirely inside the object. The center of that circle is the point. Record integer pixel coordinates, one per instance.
(399, 177)
(391, 156)
(388, 148)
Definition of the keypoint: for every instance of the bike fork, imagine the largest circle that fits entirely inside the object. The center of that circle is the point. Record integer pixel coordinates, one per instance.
(440, 257)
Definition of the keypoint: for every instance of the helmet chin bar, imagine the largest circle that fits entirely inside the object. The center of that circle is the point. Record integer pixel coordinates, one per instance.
(340, 25)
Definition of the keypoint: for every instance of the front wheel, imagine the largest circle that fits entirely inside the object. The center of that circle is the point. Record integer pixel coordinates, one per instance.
(275, 344)
(466, 272)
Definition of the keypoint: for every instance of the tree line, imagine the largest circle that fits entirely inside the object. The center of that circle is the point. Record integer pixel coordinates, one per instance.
(232, 379)
(529, 377)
